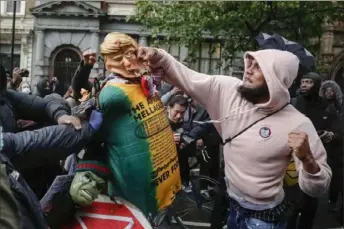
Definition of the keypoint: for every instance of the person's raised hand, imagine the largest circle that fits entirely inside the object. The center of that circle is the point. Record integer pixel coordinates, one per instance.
(16, 76)
(327, 136)
(90, 57)
(176, 137)
(176, 91)
(148, 54)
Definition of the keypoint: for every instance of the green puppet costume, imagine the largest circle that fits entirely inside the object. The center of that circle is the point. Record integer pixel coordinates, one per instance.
(141, 150)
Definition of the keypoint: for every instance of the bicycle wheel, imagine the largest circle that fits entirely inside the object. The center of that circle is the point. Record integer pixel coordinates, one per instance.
(193, 210)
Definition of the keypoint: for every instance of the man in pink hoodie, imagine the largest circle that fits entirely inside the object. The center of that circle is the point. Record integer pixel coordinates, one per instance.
(261, 131)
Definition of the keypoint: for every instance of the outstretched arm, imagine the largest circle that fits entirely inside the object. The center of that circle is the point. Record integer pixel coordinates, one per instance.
(80, 79)
(47, 141)
(206, 89)
(30, 107)
(81, 75)
(52, 143)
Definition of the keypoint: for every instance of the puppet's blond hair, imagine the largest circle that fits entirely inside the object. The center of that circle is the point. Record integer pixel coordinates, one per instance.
(114, 42)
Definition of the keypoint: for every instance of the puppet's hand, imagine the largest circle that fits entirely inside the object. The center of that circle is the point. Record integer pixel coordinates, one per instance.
(96, 119)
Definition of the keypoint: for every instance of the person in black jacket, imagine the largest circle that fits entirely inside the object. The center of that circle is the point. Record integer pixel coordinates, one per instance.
(9, 210)
(46, 145)
(332, 94)
(314, 107)
(15, 105)
(81, 75)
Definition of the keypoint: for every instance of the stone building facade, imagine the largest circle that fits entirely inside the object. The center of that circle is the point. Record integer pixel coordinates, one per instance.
(332, 52)
(65, 29)
(50, 37)
(24, 25)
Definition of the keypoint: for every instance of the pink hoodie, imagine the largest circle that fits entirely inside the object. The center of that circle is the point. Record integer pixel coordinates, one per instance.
(256, 161)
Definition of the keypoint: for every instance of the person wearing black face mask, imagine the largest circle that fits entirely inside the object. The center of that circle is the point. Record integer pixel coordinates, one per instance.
(314, 107)
(44, 87)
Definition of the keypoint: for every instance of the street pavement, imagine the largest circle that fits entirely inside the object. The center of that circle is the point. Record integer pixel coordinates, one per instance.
(324, 219)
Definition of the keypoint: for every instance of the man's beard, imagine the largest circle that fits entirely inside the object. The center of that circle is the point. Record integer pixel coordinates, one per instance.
(253, 95)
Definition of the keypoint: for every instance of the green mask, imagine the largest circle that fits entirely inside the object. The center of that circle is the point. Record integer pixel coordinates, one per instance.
(86, 187)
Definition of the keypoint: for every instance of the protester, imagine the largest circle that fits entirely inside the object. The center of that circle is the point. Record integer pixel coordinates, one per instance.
(314, 107)
(168, 95)
(81, 75)
(176, 110)
(46, 147)
(255, 111)
(16, 105)
(331, 92)
(44, 87)
(9, 210)
(15, 79)
(25, 87)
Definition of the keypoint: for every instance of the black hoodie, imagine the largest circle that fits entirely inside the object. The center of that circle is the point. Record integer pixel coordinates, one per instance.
(42, 89)
(312, 105)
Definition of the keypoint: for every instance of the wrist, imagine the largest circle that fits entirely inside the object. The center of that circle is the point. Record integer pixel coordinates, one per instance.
(310, 165)
(59, 115)
(307, 159)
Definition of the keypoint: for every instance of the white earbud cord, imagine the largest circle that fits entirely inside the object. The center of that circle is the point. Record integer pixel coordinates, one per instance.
(227, 117)
(233, 115)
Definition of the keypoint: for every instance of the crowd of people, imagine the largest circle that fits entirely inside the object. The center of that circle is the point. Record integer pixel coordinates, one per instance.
(261, 127)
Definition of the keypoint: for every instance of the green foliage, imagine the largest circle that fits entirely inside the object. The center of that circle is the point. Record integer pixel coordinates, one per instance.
(236, 23)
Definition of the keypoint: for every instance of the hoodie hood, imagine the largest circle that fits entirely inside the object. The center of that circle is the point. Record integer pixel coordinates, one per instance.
(279, 69)
(336, 88)
(41, 87)
(313, 93)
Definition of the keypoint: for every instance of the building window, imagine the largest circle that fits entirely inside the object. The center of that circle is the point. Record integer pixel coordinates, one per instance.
(10, 5)
(209, 59)
(5, 60)
(5, 55)
(7, 7)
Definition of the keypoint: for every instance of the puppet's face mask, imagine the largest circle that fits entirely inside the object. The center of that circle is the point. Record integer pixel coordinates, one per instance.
(86, 187)
(122, 62)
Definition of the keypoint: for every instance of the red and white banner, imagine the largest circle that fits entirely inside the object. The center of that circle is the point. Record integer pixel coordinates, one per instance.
(106, 214)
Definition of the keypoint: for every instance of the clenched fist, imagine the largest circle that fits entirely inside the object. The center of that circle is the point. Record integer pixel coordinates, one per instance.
(90, 57)
(148, 54)
(298, 142)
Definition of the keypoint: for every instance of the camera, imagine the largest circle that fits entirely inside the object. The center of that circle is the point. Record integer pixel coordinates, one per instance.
(24, 73)
(185, 138)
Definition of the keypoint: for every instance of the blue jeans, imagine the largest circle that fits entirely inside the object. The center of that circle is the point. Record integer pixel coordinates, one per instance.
(238, 219)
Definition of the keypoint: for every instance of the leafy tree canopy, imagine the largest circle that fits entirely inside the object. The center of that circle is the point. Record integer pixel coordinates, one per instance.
(236, 23)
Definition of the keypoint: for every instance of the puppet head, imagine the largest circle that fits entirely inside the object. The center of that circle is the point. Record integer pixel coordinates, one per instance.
(89, 181)
(119, 51)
